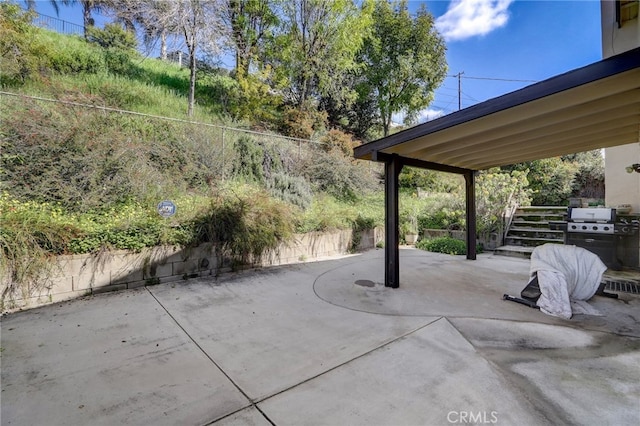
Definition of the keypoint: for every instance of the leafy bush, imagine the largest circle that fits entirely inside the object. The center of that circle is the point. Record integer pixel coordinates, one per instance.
(112, 36)
(120, 61)
(249, 157)
(221, 90)
(21, 54)
(302, 123)
(411, 177)
(445, 245)
(446, 212)
(360, 224)
(69, 55)
(337, 175)
(589, 179)
(244, 224)
(338, 140)
(29, 236)
(255, 100)
(549, 180)
(497, 191)
(291, 189)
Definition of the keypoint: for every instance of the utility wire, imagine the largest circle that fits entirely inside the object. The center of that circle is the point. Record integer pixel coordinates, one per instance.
(491, 78)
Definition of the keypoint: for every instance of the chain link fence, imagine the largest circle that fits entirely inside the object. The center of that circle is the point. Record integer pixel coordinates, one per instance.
(142, 152)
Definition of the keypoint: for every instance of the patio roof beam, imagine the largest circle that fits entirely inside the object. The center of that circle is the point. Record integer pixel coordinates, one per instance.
(414, 162)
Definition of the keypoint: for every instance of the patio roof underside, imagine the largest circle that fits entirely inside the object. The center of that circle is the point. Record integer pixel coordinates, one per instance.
(593, 107)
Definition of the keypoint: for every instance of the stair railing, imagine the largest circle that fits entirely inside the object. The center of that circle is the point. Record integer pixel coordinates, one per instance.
(507, 217)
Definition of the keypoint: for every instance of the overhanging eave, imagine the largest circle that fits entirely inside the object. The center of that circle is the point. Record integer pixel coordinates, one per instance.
(549, 114)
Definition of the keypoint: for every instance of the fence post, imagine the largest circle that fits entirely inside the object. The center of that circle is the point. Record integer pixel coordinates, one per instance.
(223, 131)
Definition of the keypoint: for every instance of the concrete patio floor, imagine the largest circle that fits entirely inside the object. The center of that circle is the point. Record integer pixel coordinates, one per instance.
(324, 343)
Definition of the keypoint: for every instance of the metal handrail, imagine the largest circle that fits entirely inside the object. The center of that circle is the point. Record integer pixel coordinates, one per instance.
(58, 25)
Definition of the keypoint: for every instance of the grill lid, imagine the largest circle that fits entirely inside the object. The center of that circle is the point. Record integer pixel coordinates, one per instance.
(595, 215)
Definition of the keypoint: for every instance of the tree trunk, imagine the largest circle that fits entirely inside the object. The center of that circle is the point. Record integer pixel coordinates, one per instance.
(192, 82)
(86, 16)
(386, 123)
(163, 45)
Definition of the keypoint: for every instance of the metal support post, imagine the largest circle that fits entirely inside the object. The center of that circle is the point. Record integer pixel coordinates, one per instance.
(470, 193)
(392, 169)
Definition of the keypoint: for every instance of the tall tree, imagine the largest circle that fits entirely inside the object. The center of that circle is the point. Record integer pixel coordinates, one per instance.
(317, 47)
(200, 23)
(88, 6)
(31, 5)
(404, 60)
(249, 22)
(152, 17)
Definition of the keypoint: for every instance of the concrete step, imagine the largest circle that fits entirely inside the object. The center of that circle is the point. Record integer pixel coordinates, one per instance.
(524, 222)
(558, 209)
(542, 216)
(542, 210)
(530, 241)
(519, 228)
(514, 251)
(530, 226)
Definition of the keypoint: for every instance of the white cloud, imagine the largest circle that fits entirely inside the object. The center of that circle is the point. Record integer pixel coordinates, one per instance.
(429, 114)
(423, 116)
(469, 18)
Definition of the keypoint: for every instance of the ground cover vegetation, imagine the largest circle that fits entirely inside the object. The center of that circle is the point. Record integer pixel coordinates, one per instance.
(249, 156)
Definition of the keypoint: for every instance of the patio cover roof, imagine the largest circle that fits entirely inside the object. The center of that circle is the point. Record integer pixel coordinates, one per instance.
(596, 106)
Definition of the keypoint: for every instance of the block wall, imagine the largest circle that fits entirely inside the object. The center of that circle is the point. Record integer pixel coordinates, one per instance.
(80, 275)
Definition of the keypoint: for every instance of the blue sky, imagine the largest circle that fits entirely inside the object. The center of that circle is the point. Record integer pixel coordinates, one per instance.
(491, 41)
(512, 40)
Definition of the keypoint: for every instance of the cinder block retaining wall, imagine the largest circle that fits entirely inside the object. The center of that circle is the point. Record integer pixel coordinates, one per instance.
(80, 275)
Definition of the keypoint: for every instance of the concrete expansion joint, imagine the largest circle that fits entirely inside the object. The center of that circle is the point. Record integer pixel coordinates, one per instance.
(335, 367)
(252, 403)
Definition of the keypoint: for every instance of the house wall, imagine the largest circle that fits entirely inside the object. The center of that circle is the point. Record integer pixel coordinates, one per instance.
(621, 187)
(617, 40)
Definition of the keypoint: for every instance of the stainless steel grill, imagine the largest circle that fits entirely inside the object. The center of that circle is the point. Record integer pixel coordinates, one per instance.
(597, 230)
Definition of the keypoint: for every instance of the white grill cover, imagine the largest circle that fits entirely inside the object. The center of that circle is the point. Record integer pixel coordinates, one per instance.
(565, 274)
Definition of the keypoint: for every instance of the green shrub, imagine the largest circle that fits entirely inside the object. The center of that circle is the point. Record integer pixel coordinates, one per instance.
(21, 53)
(291, 189)
(249, 158)
(112, 36)
(444, 217)
(302, 123)
(73, 56)
(411, 177)
(120, 61)
(254, 99)
(244, 224)
(339, 140)
(445, 245)
(221, 91)
(337, 175)
(29, 235)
